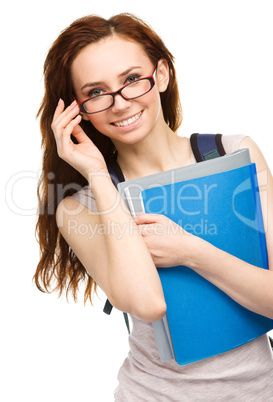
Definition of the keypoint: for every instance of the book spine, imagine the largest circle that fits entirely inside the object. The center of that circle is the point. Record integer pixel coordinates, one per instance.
(259, 216)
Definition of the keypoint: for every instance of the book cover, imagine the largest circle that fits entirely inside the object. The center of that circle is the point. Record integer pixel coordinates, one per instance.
(223, 209)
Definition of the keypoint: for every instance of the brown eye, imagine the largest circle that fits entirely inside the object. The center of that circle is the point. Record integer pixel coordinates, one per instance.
(132, 78)
(95, 92)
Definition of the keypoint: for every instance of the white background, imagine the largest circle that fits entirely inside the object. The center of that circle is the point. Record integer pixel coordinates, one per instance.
(52, 350)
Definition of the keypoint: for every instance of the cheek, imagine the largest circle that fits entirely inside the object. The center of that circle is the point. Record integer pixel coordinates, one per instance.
(155, 105)
(97, 120)
(155, 99)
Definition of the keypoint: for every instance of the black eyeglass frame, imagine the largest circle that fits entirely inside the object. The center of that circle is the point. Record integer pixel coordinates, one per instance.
(119, 92)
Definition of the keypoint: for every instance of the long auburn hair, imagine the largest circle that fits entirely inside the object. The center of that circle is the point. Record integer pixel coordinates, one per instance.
(59, 268)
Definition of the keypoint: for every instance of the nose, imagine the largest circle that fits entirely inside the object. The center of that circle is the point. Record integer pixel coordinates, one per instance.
(120, 103)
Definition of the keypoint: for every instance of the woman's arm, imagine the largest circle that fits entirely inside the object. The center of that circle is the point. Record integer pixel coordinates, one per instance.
(109, 245)
(250, 286)
(115, 256)
(132, 276)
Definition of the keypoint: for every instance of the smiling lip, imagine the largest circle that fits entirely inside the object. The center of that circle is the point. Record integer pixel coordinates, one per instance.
(127, 122)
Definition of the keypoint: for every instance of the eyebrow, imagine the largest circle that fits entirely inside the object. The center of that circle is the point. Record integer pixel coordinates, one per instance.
(92, 84)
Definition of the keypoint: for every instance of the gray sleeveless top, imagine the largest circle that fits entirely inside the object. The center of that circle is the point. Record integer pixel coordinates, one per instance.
(243, 374)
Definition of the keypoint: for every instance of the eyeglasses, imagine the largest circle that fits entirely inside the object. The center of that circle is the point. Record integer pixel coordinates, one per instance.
(134, 90)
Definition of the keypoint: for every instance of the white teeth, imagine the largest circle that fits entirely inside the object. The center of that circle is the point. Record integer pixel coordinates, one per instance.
(129, 121)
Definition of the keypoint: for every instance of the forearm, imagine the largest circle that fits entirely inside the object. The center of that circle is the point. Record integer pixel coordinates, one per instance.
(133, 281)
(248, 285)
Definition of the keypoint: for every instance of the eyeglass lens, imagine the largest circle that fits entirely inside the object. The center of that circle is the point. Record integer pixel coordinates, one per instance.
(130, 91)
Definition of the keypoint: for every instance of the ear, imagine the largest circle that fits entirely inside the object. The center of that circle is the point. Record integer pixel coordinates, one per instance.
(162, 75)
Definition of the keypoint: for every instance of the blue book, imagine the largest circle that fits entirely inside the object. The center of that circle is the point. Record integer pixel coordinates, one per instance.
(130, 191)
(223, 209)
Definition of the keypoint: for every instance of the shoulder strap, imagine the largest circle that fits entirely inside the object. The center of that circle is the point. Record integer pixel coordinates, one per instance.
(115, 172)
(206, 146)
(270, 341)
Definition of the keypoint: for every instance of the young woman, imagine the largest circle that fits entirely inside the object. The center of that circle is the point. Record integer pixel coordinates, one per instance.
(126, 106)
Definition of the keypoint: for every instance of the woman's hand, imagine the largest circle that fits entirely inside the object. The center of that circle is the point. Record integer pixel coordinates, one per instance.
(84, 156)
(169, 244)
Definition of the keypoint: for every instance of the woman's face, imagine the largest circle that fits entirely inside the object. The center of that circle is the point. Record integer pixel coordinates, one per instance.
(108, 65)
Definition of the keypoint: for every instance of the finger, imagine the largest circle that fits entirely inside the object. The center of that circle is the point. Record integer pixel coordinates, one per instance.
(151, 229)
(78, 132)
(146, 229)
(59, 109)
(147, 218)
(63, 117)
(63, 140)
(64, 125)
(71, 125)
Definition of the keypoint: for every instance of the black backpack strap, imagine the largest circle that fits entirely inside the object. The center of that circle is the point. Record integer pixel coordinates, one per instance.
(107, 307)
(206, 146)
(270, 341)
(115, 172)
(117, 177)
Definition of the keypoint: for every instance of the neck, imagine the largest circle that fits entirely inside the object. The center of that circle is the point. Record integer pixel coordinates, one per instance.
(156, 153)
